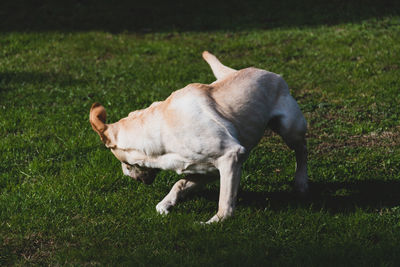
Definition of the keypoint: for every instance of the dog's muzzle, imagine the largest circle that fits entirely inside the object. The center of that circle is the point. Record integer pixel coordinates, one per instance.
(142, 174)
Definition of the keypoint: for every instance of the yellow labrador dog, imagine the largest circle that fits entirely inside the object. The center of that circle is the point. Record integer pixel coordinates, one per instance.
(207, 128)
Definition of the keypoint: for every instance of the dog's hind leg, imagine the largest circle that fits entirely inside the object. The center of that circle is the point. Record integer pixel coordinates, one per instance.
(301, 177)
(180, 189)
(291, 126)
(220, 71)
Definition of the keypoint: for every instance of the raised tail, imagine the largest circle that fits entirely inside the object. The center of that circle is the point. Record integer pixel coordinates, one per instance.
(220, 71)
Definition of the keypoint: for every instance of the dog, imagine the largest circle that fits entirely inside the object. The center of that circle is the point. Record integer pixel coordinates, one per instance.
(205, 130)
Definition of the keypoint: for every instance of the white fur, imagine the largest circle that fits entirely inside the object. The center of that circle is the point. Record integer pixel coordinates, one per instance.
(207, 128)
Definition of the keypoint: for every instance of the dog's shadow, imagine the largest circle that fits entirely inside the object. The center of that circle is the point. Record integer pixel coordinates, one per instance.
(334, 197)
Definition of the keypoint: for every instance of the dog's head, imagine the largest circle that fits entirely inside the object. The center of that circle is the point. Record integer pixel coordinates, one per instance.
(108, 134)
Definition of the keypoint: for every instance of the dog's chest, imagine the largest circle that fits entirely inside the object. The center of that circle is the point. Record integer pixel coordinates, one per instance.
(179, 164)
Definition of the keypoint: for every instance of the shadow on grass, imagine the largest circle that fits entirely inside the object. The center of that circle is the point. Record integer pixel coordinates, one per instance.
(206, 15)
(32, 77)
(333, 197)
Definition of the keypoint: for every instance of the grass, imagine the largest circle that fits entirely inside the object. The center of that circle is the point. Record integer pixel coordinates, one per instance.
(64, 200)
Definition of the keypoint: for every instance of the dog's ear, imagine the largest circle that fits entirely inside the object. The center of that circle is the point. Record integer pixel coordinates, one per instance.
(97, 119)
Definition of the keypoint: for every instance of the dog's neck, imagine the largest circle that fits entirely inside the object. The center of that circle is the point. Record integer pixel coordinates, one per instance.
(139, 131)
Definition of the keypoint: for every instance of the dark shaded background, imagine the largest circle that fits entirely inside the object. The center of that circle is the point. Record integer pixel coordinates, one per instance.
(158, 15)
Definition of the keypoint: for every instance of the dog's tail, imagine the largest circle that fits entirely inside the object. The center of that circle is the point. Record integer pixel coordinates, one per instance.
(220, 71)
(97, 119)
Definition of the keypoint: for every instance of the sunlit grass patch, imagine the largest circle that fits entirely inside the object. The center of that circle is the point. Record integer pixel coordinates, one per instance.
(64, 200)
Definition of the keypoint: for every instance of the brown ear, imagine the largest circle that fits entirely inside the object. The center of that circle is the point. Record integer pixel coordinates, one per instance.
(97, 119)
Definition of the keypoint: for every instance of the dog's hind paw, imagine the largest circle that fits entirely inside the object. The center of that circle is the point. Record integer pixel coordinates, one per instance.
(302, 190)
(162, 208)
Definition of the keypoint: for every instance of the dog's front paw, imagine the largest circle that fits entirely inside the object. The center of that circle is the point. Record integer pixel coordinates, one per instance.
(162, 208)
(214, 219)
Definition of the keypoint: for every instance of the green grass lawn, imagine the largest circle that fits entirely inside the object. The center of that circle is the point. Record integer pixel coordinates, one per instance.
(64, 199)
